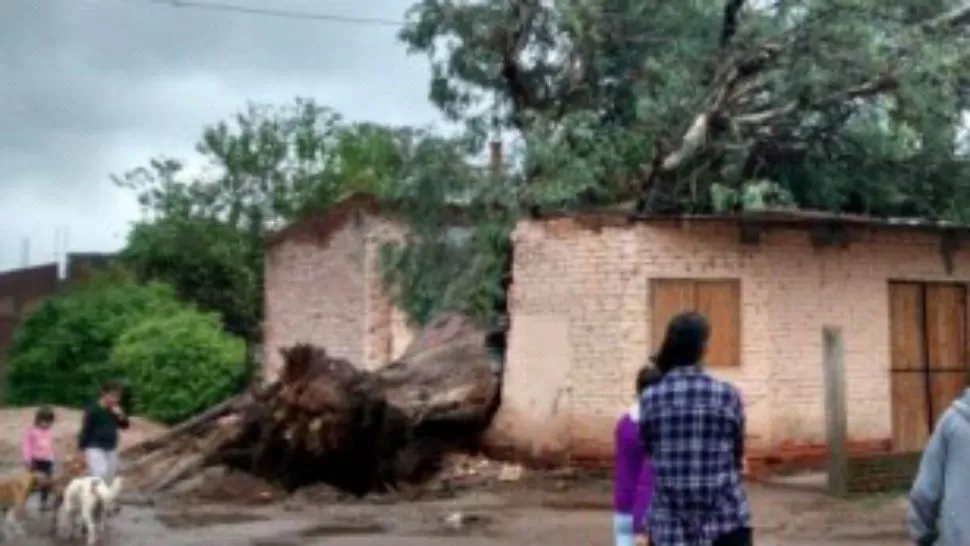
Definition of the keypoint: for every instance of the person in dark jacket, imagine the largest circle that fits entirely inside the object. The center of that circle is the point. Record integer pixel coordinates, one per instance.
(692, 426)
(98, 439)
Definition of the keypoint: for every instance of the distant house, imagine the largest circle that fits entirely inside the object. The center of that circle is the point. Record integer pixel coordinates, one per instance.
(324, 286)
(591, 295)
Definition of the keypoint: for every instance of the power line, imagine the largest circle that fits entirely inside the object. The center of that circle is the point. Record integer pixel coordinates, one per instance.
(224, 7)
(282, 14)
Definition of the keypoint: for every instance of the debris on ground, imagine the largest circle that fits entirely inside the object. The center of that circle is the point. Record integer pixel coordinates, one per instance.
(326, 421)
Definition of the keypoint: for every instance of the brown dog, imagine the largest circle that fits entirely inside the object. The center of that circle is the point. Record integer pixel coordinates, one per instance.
(14, 492)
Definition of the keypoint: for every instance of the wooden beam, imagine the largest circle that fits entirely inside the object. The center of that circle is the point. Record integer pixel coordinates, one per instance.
(750, 233)
(830, 234)
(949, 245)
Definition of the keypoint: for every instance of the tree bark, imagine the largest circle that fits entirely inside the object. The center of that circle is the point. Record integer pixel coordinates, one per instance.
(362, 431)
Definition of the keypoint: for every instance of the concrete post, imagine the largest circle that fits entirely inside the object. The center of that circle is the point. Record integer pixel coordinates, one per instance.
(835, 410)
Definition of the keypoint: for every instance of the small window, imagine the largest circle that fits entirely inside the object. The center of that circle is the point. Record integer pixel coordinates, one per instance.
(718, 300)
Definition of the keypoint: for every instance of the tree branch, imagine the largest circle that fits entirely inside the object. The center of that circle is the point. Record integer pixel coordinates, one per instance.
(870, 88)
(739, 80)
(516, 39)
(729, 25)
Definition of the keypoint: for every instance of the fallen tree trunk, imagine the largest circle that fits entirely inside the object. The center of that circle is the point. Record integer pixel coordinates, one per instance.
(325, 420)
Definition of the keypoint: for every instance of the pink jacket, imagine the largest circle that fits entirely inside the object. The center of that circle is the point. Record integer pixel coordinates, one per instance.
(38, 445)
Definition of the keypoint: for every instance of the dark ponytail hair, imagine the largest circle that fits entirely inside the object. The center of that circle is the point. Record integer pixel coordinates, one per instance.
(648, 376)
(684, 342)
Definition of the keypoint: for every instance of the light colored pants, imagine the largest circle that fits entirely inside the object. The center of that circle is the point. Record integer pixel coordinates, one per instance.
(623, 529)
(102, 463)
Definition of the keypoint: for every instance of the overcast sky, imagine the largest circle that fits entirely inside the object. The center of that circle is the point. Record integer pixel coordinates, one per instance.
(95, 87)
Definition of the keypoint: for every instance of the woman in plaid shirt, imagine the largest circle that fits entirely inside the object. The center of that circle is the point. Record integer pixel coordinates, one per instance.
(693, 427)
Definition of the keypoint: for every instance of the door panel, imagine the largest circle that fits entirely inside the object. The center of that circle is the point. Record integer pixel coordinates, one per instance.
(720, 302)
(910, 407)
(669, 296)
(946, 343)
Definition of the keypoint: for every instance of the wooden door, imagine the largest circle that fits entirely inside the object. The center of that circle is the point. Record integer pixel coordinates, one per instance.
(910, 410)
(946, 344)
(670, 297)
(717, 299)
(720, 302)
(929, 364)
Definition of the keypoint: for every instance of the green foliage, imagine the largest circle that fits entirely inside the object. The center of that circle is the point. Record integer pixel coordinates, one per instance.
(61, 352)
(462, 269)
(203, 232)
(851, 105)
(208, 262)
(179, 364)
(459, 218)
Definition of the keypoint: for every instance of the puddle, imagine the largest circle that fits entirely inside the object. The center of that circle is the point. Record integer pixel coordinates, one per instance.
(578, 503)
(190, 520)
(274, 542)
(338, 528)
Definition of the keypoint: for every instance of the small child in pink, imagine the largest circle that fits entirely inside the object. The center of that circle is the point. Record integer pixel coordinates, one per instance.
(38, 449)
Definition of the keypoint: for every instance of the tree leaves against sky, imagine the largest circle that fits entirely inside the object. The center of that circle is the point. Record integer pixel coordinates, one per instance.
(843, 105)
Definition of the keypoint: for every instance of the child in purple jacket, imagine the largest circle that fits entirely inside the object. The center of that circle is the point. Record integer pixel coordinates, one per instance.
(633, 472)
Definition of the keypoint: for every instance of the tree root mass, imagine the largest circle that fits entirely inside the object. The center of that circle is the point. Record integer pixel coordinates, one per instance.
(326, 421)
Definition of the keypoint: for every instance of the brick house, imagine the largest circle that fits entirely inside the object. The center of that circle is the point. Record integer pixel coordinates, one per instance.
(323, 286)
(591, 294)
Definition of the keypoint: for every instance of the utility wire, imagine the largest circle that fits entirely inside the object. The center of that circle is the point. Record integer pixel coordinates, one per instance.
(224, 7)
(271, 12)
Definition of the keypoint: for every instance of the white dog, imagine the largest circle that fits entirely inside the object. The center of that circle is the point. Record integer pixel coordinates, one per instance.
(93, 500)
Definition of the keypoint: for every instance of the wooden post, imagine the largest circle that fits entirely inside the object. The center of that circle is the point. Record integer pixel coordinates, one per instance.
(835, 410)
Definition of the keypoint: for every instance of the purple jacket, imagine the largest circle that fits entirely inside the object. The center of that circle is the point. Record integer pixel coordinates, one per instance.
(633, 471)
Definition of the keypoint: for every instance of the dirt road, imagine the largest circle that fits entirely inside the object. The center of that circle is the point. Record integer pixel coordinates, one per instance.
(504, 516)
(536, 509)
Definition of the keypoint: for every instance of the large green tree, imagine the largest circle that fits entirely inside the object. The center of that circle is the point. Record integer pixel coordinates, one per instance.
(202, 230)
(851, 105)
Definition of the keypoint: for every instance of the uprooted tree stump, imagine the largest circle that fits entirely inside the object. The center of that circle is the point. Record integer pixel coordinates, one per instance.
(325, 420)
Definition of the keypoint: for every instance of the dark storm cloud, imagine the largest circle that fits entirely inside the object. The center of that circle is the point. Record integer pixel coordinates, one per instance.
(93, 87)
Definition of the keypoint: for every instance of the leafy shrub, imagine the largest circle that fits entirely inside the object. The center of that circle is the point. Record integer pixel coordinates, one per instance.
(61, 352)
(179, 364)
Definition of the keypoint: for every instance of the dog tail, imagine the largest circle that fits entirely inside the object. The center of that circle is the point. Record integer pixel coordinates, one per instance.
(109, 491)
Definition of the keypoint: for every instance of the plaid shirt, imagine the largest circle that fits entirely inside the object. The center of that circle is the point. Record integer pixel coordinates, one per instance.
(693, 427)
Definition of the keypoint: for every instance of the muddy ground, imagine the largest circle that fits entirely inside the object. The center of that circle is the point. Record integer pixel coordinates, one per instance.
(478, 504)
(550, 509)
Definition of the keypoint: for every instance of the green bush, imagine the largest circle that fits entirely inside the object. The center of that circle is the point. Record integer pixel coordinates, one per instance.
(175, 359)
(61, 352)
(179, 364)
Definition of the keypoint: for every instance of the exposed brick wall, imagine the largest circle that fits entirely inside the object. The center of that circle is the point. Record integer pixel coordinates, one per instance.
(327, 291)
(882, 473)
(589, 288)
(386, 338)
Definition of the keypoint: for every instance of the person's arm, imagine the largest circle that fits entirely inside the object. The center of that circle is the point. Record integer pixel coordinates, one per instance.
(85, 433)
(120, 417)
(740, 433)
(927, 491)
